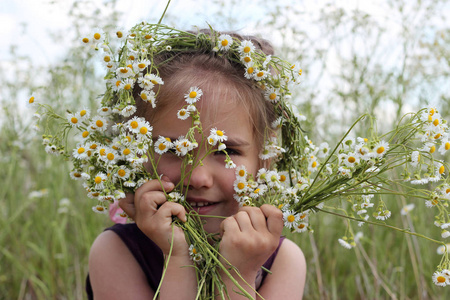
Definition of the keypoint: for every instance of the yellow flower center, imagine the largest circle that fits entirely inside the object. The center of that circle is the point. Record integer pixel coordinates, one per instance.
(162, 147)
(272, 96)
(97, 36)
(303, 216)
(282, 178)
(93, 146)
(31, 100)
(127, 86)
(256, 191)
(314, 164)
(436, 122)
(102, 152)
(85, 40)
(351, 159)
(121, 173)
(141, 65)
(224, 43)
(380, 150)
(168, 139)
(447, 145)
(430, 118)
(81, 150)
(110, 156)
(143, 130)
(193, 94)
(194, 251)
(107, 58)
(148, 36)
(74, 120)
(290, 218)
(301, 226)
(250, 70)
(440, 279)
(100, 208)
(241, 173)
(119, 34)
(126, 151)
(99, 123)
(432, 149)
(118, 82)
(247, 49)
(85, 134)
(77, 175)
(441, 170)
(123, 70)
(134, 124)
(219, 133)
(83, 112)
(447, 191)
(182, 113)
(247, 59)
(260, 74)
(432, 111)
(437, 136)
(154, 81)
(144, 96)
(131, 57)
(98, 180)
(241, 185)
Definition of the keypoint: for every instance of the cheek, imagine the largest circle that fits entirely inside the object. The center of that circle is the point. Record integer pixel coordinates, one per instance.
(169, 166)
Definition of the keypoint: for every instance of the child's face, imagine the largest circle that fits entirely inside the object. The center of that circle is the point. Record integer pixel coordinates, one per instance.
(211, 185)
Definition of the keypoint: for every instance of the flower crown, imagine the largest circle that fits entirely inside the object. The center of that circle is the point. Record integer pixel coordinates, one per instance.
(134, 65)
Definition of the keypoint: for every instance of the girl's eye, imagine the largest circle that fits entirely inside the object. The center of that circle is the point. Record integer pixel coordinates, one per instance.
(230, 152)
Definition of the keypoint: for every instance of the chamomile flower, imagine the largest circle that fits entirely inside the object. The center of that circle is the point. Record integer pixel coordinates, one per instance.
(246, 48)
(443, 249)
(124, 72)
(183, 114)
(229, 164)
(241, 172)
(415, 158)
(249, 72)
(301, 227)
(407, 208)
(99, 123)
(380, 149)
(240, 186)
(440, 279)
(140, 65)
(429, 147)
(80, 152)
(225, 41)
(128, 111)
(272, 94)
(219, 135)
(343, 242)
(445, 145)
(73, 120)
(162, 145)
(122, 173)
(193, 95)
(99, 180)
(290, 219)
(100, 209)
(127, 84)
(261, 74)
(324, 148)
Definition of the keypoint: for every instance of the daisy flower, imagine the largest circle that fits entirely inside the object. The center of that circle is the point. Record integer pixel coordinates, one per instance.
(415, 158)
(124, 72)
(440, 279)
(429, 147)
(324, 148)
(301, 227)
(99, 179)
(122, 173)
(162, 145)
(290, 219)
(240, 186)
(261, 74)
(381, 148)
(249, 71)
(241, 173)
(73, 120)
(407, 208)
(443, 249)
(246, 48)
(80, 152)
(128, 111)
(445, 146)
(229, 164)
(99, 123)
(272, 94)
(219, 135)
(225, 41)
(193, 95)
(140, 65)
(183, 114)
(100, 209)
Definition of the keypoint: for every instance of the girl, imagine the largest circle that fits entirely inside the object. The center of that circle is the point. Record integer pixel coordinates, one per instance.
(250, 236)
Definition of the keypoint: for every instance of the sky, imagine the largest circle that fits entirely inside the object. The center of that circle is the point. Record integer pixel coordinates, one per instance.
(27, 23)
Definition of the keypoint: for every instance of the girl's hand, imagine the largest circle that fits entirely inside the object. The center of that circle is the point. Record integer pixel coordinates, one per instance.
(250, 237)
(151, 211)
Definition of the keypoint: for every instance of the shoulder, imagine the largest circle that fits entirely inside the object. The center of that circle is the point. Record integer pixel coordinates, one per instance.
(110, 261)
(288, 276)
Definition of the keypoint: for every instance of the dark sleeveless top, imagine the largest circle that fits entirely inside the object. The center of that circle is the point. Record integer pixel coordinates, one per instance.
(150, 257)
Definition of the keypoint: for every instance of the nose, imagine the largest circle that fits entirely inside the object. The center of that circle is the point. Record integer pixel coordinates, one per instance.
(201, 176)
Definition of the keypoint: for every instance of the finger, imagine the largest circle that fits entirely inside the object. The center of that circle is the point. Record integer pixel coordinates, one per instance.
(229, 225)
(170, 209)
(154, 185)
(274, 218)
(149, 202)
(257, 217)
(127, 204)
(243, 220)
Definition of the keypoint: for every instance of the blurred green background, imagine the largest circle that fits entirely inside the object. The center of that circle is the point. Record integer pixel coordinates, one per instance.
(385, 57)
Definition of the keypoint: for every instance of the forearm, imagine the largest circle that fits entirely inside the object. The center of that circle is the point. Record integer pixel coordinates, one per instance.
(179, 281)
